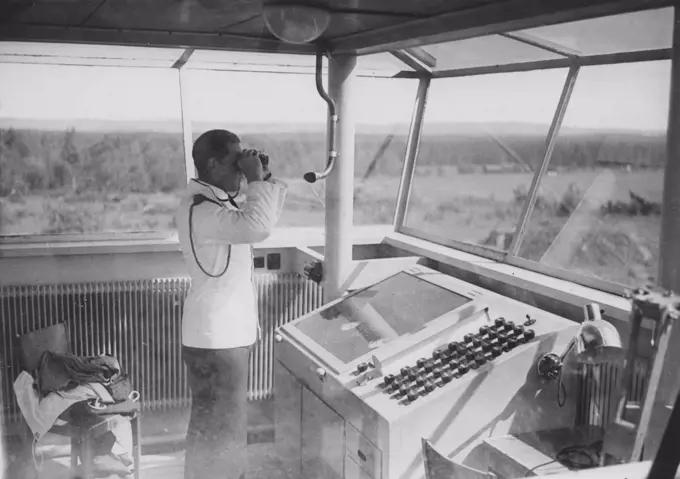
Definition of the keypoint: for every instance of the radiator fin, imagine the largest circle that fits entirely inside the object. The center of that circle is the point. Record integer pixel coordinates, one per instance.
(598, 383)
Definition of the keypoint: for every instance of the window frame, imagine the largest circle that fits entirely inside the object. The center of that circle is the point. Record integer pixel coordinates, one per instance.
(511, 257)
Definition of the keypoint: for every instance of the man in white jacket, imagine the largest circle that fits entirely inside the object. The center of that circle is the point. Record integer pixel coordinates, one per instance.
(217, 225)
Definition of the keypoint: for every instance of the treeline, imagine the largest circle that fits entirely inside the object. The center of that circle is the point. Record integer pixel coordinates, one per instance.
(33, 161)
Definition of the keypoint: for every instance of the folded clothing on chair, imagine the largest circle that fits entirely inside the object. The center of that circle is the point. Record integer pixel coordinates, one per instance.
(61, 372)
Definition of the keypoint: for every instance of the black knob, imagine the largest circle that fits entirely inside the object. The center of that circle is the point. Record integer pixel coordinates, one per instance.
(420, 380)
(437, 372)
(454, 364)
(512, 343)
(509, 325)
(463, 368)
(412, 395)
(421, 362)
(389, 379)
(473, 365)
(476, 342)
(411, 375)
(429, 366)
(493, 334)
(438, 353)
(483, 330)
(470, 355)
(453, 347)
(529, 334)
(468, 338)
(496, 351)
(404, 372)
(485, 346)
(506, 347)
(480, 359)
(361, 367)
(447, 376)
(429, 386)
(499, 322)
(404, 389)
(461, 348)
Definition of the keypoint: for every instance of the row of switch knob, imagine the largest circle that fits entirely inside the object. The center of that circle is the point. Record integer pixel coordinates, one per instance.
(456, 359)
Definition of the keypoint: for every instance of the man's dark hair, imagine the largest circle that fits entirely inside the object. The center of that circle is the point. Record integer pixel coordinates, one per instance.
(211, 144)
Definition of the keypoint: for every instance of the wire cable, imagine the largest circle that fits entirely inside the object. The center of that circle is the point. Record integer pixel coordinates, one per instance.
(198, 199)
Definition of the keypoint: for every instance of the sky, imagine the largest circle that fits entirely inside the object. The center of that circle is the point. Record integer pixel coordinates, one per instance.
(632, 96)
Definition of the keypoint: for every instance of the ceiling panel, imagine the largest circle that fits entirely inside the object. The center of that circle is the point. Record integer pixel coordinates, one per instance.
(56, 12)
(420, 8)
(180, 15)
(340, 25)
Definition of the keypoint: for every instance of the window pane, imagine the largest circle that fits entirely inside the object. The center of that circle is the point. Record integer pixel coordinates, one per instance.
(647, 30)
(92, 150)
(284, 115)
(384, 109)
(278, 113)
(599, 208)
(485, 51)
(99, 55)
(482, 139)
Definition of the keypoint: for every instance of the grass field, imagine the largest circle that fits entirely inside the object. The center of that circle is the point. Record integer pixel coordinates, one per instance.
(568, 228)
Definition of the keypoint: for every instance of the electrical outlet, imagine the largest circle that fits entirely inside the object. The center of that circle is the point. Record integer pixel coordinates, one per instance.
(274, 261)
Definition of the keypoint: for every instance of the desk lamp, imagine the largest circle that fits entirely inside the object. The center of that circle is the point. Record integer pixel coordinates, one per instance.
(596, 342)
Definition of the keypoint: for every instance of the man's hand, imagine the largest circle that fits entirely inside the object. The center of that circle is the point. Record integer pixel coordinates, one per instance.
(251, 166)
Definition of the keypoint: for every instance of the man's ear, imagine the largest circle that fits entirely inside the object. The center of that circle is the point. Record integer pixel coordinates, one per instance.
(210, 166)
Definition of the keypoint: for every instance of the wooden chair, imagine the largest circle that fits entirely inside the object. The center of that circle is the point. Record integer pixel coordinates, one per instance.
(438, 466)
(84, 424)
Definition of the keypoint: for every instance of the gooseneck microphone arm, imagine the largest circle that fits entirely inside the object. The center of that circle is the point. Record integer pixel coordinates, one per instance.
(313, 177)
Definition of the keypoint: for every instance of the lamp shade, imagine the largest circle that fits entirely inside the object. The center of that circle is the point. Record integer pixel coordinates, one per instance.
(598, 341)
(297, 24)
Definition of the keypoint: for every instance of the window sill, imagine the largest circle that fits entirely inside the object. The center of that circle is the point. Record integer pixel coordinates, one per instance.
(280, 238)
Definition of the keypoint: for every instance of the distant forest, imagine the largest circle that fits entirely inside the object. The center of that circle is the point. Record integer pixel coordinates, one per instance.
(34, 161)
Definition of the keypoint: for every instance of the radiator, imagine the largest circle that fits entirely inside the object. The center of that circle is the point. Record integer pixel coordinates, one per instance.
(139, 322)
(598, 384)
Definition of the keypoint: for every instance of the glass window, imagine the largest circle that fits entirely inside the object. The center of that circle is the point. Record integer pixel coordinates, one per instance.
(646, 30)
(598, 211)
(278, 113)
(90, 150)
(383, 115)
(482, 140)
(485, 51)
(285, 116)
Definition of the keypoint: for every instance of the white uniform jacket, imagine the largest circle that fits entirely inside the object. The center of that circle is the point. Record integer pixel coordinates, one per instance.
(221, 313)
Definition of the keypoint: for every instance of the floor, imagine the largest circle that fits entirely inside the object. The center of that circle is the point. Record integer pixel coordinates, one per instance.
(170, 465)
(163, 456)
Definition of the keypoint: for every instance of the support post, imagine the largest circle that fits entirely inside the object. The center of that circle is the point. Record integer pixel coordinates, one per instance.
(409, 168)
(187, 131)
(551, 140)
(340, 182)
(669, 243)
